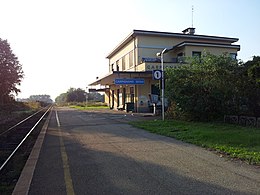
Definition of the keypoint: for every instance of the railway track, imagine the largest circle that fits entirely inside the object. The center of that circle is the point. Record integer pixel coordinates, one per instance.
(16, 144)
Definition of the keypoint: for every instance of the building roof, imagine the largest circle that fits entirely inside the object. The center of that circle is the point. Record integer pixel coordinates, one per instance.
(167, 34)
(188, 43)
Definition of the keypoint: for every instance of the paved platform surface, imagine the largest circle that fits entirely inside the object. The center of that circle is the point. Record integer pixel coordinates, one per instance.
(99, 153)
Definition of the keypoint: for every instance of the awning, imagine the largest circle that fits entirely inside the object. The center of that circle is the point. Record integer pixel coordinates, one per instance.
(110, 78)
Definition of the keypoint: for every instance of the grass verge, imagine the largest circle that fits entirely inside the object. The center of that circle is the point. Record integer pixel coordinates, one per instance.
(89, 107)
(231, 140)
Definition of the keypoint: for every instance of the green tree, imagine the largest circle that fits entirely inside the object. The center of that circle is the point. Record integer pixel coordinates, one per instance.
(249, 87)
(97, 97)
(205, 88)
(62, 98)
(41, 98)
(11, 72)
(76, 95)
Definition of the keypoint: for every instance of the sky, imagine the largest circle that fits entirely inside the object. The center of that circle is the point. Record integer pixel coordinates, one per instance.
(64, 43)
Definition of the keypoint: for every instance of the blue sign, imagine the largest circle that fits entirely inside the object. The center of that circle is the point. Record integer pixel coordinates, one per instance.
(157, 74)
(129, 81)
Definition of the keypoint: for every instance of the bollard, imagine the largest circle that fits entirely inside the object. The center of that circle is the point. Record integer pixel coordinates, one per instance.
(154, 109)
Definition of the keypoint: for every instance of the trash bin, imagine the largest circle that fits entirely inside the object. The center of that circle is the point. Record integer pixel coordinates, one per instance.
(129, 106)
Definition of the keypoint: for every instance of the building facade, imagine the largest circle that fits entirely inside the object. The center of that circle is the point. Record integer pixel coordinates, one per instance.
(130, 85)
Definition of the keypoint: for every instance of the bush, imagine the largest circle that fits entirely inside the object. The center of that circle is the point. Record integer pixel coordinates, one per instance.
(204, 89)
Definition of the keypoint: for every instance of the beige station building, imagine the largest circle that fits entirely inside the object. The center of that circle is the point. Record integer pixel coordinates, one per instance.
(131, 85)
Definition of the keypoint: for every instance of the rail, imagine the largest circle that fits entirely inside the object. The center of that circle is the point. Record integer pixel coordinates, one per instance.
(23, 140)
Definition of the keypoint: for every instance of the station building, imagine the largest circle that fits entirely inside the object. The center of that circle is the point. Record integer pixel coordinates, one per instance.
(129, 84)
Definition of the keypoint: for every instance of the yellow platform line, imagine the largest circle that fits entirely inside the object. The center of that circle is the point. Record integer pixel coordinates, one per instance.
(66, 168)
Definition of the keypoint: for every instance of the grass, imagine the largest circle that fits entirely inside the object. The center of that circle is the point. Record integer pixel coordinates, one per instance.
(14, 112)
(234, 141)
(89, 107)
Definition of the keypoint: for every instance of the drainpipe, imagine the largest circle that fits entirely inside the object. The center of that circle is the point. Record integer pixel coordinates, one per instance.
(134, 54)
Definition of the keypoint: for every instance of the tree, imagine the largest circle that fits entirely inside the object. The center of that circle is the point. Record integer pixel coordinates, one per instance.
(62, 98)
(11, 72)
(96, 97)
(41, 98)
(76, 95)
(249, 87)
(204, 89)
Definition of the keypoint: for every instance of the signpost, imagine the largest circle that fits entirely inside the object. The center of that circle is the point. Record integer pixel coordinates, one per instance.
(161, 55)
(129, 81)
(157, 74)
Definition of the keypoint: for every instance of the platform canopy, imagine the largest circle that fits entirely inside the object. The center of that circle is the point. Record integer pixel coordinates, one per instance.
(110, 78)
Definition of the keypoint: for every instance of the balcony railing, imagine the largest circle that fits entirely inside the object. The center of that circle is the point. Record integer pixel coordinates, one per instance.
(180, 59)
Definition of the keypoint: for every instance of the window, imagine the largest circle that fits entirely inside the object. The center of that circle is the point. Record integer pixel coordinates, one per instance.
(131, 60)
(118, 97)
(180, 57)
(123, 63)
(112, 99)
(155, 94)
(196, 54)
(155, 89)
(132, 94)
(233, 56)
(112, 67)
(124, 97)
(117, 65)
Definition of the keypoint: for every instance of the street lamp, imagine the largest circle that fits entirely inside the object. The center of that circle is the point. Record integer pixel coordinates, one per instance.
(162, 68)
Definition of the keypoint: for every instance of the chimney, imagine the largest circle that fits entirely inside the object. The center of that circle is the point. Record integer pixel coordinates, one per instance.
(190, 31)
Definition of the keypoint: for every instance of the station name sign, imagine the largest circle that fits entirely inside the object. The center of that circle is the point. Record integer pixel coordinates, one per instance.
(150, 67)
(129, 81)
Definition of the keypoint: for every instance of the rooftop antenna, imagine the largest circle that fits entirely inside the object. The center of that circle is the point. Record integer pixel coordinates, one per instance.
(190, 30)
(192, 10)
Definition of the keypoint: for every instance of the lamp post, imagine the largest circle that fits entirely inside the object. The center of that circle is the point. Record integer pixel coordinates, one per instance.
(162, 68)
(86, 96)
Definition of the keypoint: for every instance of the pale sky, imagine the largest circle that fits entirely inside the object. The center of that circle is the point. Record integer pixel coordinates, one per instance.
(64, 43)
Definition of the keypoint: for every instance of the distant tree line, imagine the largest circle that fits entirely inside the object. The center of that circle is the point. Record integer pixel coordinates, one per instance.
(78, 95)
(40, 98)
(11, 73)
(211, 86)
